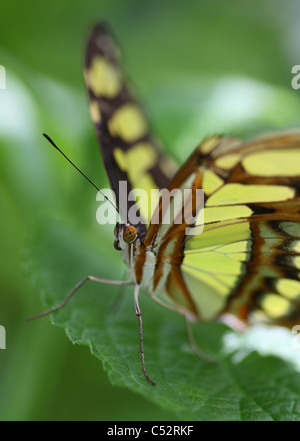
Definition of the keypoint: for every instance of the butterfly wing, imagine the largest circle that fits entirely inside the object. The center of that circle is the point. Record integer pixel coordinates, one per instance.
(247, 260)
(129, 151)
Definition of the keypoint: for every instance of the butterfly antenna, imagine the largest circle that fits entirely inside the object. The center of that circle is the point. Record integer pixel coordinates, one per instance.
(57, 148)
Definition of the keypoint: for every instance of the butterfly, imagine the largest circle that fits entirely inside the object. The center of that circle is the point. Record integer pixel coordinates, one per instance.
(245, 264)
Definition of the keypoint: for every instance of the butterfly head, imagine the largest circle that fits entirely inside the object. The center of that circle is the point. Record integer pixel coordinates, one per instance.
(125, 234)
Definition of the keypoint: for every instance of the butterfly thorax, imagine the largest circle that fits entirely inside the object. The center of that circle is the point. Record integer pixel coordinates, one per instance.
(140, 260)
(157, 277)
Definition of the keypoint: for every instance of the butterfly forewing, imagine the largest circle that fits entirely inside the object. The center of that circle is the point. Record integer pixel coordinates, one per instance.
(130, 153)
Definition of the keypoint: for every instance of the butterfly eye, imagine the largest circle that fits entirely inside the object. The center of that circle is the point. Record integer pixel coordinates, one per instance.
(130, 234)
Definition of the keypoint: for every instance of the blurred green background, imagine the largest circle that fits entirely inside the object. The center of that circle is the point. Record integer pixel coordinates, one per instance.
(200, 68)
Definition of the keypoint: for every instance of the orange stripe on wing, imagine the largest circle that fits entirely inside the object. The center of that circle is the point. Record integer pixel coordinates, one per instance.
(139, 264)
(171, 251)
(179, 293)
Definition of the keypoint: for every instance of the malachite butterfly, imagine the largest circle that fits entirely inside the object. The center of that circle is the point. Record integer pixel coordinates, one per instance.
(245, 266)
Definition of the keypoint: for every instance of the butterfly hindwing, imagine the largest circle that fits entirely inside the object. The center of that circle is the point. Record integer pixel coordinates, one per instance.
(247, 260)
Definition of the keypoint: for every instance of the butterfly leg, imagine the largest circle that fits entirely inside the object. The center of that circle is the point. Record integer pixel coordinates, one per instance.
(75, 289)
(115, 306)
(139, 314)
(194, 345)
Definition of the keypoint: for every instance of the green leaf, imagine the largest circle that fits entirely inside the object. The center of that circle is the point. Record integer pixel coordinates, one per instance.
(242, 385)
